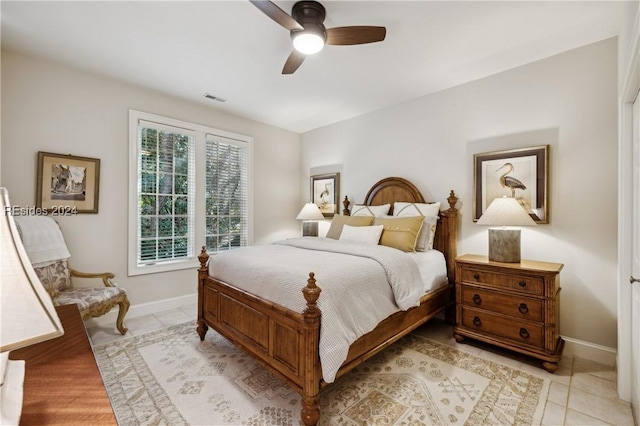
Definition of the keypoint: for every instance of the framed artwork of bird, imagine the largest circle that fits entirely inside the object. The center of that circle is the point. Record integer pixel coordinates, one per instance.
(325, 192)
(518, 173)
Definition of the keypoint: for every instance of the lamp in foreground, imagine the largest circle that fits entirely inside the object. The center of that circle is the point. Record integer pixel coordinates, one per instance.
(310, 214)
(504, 244)
(27, 314)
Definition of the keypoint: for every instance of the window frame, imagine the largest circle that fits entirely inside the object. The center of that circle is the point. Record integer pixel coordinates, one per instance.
(200, 132)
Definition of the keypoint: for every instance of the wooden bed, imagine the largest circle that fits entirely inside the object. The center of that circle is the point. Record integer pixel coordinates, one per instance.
(286, 342)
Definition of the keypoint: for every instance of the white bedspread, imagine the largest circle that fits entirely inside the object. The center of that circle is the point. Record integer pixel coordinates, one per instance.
(361, 285)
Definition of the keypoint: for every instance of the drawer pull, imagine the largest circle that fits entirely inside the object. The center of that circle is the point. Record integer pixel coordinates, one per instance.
(476, 277)
(522, 283)
(523, 308)
(476, 299)
(477, 322)
(524, 333)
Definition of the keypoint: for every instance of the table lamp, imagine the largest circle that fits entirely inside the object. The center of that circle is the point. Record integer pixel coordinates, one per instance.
(310, 214)
(27, 316)
(504, 244)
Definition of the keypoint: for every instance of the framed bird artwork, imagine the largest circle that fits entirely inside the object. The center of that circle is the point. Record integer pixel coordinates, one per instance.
(325, 192)
(519, 173)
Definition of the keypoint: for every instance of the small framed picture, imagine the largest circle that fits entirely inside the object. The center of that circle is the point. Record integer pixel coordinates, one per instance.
(325, 193)
(67, 184)
(520, 173)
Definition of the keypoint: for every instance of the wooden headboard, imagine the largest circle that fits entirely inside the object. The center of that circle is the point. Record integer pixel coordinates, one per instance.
(397, 189)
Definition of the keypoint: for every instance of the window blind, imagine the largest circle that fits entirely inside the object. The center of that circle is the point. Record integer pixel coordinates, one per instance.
(226, 193)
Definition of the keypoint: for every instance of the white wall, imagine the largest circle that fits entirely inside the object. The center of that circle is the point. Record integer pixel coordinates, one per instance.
(53, 108)
(568, 102)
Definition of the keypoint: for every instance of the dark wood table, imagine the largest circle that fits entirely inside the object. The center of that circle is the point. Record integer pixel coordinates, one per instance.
(62, 384)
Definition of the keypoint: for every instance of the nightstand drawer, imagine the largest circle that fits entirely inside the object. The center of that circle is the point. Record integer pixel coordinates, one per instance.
(503, 326)
(529, 285)
(519, 307)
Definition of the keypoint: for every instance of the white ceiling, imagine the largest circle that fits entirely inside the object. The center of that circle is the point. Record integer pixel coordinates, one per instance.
(232, 50)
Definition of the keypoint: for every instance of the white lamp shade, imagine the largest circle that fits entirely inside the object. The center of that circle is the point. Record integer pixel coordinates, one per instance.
(505, 211)
(310, 211)
(28, 315)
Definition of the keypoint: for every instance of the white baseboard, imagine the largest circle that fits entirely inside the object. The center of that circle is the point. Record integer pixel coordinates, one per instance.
(591, 351)
(144, 309)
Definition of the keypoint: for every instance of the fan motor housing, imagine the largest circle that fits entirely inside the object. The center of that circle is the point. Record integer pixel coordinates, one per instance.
(308, 12)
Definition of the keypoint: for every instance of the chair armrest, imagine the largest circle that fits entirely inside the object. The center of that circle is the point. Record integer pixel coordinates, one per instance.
(106, 276)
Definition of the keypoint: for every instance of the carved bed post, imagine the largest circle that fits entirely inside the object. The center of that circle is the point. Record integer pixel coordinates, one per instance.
(452, 234)
(451, 239)
(203, 272)
(311, 387)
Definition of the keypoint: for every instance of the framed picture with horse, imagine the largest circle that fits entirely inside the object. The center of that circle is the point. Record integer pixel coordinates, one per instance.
(518, 173)
(67, 184)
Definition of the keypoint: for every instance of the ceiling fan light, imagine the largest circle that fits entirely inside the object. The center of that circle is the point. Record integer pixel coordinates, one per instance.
(308, 42)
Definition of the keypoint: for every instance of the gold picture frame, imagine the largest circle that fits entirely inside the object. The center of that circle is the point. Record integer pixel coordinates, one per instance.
(519, 173)
(325, 193)
(67, 184)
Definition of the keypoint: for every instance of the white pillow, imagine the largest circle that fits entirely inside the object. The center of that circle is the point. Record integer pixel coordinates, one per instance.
(430, 213)
(362, 210)
(362, 234)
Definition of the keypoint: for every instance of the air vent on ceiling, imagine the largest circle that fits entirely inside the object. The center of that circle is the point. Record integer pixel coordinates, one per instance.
(214, 98)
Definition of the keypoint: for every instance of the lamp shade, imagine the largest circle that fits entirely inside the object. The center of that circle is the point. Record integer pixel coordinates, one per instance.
(28, 315)
(505, 212)
(310, 211)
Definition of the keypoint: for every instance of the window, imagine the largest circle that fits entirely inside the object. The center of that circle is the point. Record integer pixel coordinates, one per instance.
(180, 201)
(226, 194)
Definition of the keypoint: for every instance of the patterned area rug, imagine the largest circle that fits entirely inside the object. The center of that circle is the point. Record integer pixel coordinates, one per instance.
(169, 377)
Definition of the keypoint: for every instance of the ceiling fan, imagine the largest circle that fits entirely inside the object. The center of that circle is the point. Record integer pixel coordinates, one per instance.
(308, 33)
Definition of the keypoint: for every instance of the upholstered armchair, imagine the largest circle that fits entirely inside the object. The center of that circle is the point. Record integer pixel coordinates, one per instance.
(44, 243)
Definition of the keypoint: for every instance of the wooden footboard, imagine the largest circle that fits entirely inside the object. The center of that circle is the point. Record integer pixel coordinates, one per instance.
(284, 341)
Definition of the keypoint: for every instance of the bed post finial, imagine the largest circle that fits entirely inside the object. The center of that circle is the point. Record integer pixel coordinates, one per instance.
(203, 257)
(452, 199)
(311, 293)
(346, 203)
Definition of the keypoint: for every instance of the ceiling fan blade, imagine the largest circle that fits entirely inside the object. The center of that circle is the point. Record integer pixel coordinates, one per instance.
(293, 62)
(344, 36)
(277, 14)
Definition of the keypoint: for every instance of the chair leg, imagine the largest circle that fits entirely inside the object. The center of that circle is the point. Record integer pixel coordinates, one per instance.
(122, 311)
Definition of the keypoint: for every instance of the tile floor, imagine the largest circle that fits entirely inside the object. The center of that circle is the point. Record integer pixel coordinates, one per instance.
(582, 392)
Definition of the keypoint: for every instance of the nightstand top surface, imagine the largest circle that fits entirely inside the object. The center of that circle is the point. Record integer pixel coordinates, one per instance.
(524, 264)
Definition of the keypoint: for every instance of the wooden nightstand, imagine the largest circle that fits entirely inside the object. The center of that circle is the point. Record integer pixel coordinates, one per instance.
(512, 305)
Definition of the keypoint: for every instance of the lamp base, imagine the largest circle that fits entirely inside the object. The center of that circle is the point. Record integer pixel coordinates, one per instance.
(504, 245)
(11, 391)
(310, 229)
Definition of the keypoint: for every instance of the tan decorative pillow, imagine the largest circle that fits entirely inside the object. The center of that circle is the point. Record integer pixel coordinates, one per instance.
(339, 221)
(400, 232)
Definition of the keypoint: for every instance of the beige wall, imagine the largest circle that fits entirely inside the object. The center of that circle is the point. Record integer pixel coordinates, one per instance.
(568, 102)
(53, 108)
